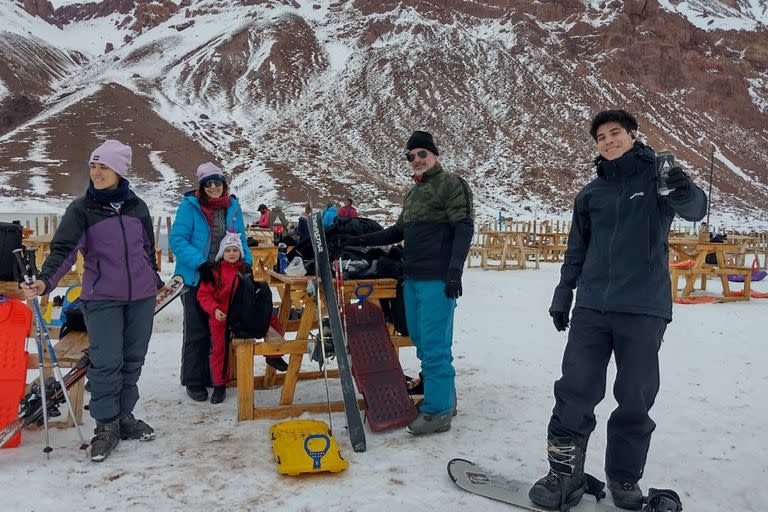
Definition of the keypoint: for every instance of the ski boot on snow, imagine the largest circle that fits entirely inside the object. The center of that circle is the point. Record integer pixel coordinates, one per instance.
(131, 428)
(430, 424)
(107, 435)
(626, 495)
(565, 483)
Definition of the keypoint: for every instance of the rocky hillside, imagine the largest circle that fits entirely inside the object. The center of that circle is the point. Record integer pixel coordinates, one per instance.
(289, 94)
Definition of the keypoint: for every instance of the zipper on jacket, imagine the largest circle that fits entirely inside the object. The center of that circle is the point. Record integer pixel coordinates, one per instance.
(125, 245)
(610, 243)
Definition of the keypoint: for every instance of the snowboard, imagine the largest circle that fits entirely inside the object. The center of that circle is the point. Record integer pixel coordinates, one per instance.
(376, 368)
(473, 478)
(31, 409)
(325, 278)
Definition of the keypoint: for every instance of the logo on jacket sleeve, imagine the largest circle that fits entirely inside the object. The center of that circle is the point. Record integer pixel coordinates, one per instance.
(637, 194)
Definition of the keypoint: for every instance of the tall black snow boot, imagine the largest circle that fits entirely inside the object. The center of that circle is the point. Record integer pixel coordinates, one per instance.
(565, 483)
(107, 435)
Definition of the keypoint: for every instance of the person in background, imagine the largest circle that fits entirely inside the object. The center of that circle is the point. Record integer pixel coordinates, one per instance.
(264, 219)
(204, 216)
(302, 229)
(347, 211)
(112, 228)
(330, 212)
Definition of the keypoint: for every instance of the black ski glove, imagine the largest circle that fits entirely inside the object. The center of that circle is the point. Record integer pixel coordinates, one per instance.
(679, 181)
(206, 272)
(560, 319)
(352, 241)
(453, 288)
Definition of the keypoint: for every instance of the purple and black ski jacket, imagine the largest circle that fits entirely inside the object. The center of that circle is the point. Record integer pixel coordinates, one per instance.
(118, 250)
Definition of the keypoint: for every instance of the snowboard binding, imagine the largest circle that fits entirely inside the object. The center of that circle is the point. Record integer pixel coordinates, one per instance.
(662, 500)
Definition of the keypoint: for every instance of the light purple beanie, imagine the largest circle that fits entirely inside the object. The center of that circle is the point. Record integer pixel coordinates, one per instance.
(207, 172)
(115, 155)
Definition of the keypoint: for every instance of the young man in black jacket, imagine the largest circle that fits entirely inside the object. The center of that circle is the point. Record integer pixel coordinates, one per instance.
(617, 256)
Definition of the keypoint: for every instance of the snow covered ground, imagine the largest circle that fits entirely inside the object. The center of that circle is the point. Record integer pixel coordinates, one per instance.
(710, 443)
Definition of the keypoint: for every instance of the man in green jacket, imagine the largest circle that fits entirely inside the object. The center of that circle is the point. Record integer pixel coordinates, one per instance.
(436, 224)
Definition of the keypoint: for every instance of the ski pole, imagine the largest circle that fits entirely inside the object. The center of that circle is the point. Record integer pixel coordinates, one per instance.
(43, 330)
(30, 278)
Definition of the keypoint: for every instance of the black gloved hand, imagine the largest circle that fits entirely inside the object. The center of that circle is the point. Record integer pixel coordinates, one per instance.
(453, 288)
(351, 241)
(560, 319)
(678, 180)
(206, 272)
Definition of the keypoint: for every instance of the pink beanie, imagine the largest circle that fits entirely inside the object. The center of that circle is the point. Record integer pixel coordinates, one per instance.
(207, 172)
(115, 155)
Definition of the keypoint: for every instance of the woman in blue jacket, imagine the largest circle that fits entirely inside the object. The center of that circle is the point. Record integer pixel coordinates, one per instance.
(202, 219)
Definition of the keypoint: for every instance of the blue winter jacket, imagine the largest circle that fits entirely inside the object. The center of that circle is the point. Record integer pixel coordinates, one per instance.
(329, 216)
(617, 254)
(190, 236)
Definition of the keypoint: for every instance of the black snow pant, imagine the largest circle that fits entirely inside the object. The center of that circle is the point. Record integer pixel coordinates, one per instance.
(635, 340)
(118, 336)
(195, 367)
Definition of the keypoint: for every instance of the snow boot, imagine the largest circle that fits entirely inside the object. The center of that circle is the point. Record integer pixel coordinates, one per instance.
(219, 394)
(197, 393)
(429, 424)
(626, 495)
(663, 500)
(565, 483)
(107, 435)
(131, 428)
(277, 362)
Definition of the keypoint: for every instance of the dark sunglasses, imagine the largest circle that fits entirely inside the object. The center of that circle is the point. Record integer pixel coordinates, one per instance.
(411, 157)
(214, 183)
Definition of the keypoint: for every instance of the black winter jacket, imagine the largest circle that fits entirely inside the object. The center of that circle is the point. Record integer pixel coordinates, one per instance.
(437, 225)
(617, 252)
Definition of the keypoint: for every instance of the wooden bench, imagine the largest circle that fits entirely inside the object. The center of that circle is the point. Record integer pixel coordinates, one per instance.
(691, 274)
(276, 345)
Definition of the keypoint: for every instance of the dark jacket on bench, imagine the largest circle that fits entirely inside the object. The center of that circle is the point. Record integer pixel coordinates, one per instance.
(617, 252)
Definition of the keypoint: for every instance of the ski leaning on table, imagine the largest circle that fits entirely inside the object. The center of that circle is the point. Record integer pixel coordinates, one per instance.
(471, 477)
(323, 274)
(30, 407)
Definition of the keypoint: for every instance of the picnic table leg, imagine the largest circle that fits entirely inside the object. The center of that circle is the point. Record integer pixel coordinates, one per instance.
(294, 361)
(748, 286)
(245, 381)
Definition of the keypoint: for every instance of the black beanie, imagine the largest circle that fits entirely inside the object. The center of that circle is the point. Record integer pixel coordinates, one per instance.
(420, 139)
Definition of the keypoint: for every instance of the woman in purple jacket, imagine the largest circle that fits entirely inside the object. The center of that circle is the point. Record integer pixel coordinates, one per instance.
(112, 228)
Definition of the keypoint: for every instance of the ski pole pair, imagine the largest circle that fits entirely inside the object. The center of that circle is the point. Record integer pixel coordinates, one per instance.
(25, 258)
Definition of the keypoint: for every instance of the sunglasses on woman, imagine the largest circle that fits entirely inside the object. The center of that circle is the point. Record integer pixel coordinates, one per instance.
(411, 156)
(214, 183)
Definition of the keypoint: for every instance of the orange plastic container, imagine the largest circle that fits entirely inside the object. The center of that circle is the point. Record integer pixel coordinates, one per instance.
(15, 326)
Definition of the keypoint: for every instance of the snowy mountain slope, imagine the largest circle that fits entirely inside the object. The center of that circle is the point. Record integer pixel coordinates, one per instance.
(289, 94)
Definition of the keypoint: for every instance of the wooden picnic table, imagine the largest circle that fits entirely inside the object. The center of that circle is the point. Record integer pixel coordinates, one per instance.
(701, 268)
(504, 246)
(293, 292)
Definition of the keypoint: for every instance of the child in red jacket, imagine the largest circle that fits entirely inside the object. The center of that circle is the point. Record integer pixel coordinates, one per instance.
(214, 299)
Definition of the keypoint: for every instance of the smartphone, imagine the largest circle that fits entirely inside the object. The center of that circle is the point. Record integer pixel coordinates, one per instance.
(665, 160)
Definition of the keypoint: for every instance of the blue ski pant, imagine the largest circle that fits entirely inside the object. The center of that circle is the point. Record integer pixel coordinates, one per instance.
(634, 340)
(429, 315)
(118, 334)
